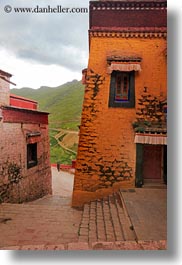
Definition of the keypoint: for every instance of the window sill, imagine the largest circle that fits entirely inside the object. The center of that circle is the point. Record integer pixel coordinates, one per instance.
(31, 164)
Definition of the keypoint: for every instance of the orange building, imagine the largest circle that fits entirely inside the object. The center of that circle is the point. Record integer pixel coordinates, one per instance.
(123, 128)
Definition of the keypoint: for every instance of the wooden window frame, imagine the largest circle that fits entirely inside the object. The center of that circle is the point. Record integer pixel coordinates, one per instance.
(31, 155)
(122, 103)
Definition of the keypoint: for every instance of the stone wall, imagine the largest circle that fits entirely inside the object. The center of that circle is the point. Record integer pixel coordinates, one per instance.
(107, 153)
(4, 92)
(17, 183)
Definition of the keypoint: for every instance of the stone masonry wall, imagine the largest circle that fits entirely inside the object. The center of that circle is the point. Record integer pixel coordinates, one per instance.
(106, 153)
(17, 183)
(4, 92)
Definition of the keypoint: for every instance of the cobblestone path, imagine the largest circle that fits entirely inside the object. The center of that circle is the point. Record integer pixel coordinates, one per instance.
(126, 220)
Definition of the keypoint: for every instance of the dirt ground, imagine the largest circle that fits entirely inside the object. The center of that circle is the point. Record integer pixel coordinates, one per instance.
(62, 183)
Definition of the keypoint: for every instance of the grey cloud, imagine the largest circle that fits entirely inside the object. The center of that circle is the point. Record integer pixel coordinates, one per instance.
(60, 39)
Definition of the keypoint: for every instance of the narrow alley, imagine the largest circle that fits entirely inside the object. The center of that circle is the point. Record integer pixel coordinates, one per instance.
(115, 222)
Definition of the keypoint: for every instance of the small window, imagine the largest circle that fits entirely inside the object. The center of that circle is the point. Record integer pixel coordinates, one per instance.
(31, 155)
(122, 87)
(122, 92)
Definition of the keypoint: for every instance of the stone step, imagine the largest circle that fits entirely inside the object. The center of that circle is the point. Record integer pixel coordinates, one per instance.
(119, 245)
(106, 220)
(154, 186)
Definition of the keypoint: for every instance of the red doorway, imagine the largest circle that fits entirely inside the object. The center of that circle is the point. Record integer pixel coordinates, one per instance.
(152, 163)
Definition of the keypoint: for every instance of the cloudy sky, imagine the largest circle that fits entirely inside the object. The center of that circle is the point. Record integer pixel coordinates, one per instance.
(43, 48)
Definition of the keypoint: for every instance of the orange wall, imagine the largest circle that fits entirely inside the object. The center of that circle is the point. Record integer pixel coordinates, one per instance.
(106, 154)
(151, 50)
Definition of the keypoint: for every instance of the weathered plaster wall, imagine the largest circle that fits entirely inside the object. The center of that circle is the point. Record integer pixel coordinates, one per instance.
(106, 154)
(4, 92)
(17, 183)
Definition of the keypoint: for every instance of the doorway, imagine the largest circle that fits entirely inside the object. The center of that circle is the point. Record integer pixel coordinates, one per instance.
(152, 158)
(151, 164)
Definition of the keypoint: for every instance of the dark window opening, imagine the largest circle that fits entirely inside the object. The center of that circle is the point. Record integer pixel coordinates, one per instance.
(31, 155)
(122, 87)
(122, 91)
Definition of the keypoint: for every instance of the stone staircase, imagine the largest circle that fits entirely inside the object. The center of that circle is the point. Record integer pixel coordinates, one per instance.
(106, 220)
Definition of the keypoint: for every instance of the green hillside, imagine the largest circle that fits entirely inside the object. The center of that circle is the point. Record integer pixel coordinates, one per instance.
(64, 103)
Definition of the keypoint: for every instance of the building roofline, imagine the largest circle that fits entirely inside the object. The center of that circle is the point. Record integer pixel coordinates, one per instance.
(129, 4)
(23, 98)
(129, 1)
(5, 73)
(24, 110)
